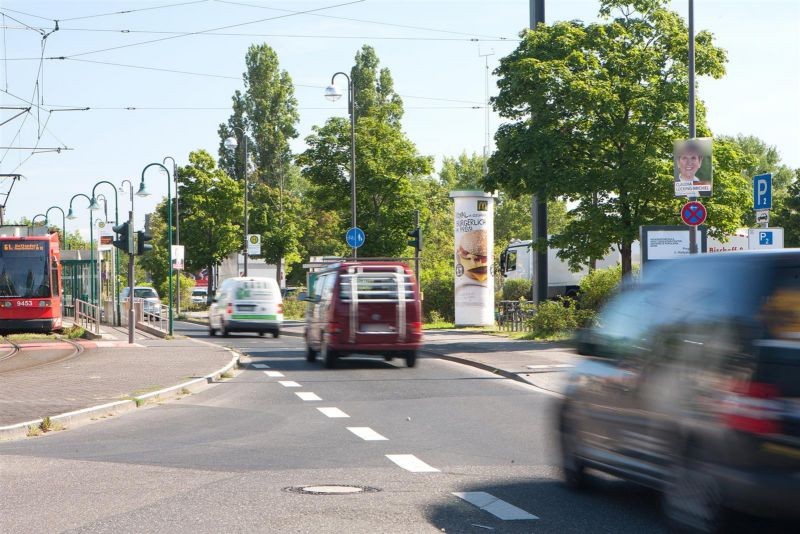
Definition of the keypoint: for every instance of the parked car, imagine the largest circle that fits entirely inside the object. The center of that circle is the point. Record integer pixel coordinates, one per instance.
(246, 304)
(363, 308)
(199, 295)
(151, 300)
(692, 387)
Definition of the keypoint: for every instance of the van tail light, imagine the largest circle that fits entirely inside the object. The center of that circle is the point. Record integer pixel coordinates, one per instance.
(334, 328)
(280, 308)
(753, 407)
(230, 308)
(416, 327)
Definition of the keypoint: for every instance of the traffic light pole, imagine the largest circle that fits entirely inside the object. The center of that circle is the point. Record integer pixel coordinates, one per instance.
(131, 281)
(416, 249)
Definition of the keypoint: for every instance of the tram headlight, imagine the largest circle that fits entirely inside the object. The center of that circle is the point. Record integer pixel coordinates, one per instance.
(44, 303)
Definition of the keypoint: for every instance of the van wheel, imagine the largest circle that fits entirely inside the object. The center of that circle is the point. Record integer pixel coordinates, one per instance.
(692, 500)
(261, 334)
(224, 329)
(329, 356)
(411, 358)
(212, 331)
(276, 334)
(388, 357)
(572, 467)
(311, 354)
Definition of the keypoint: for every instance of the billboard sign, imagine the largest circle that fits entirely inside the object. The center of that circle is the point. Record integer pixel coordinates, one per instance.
(692, 169)
(473, 266)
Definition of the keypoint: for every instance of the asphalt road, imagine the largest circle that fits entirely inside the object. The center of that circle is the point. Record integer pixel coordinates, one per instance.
(229, 458)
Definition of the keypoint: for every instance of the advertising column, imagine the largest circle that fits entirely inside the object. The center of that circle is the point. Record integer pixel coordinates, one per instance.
(474, 243)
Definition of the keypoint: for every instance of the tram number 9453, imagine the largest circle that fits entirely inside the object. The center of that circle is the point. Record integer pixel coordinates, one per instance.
(25, 303)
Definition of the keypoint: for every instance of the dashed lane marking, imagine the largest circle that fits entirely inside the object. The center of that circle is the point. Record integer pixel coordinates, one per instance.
(289, 383)
(307, 396)
(333, 412)
(497, 507)
(261, 366)
(366, 433)
(409, 462)
(273, 374)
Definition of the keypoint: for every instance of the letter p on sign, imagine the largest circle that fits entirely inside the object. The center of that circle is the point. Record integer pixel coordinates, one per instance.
(762, 192)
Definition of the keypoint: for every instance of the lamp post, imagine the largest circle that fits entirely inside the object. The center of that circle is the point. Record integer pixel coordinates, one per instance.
(177, 225)
(169, 228)
(333, 94)
(116, 256)
(63, 223)
(71, 216)
(33, 221)
(131, 257)
(231, 143)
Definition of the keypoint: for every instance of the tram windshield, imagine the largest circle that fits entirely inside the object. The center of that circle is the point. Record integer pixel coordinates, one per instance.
(24, 269)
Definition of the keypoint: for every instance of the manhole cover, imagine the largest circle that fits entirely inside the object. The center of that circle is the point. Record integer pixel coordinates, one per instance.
(331, 489)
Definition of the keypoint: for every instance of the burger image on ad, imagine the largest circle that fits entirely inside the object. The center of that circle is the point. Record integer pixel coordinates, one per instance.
(473, 255)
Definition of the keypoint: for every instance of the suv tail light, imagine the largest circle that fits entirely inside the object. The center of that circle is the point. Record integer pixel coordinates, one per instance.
(334, 328)
(753, 407)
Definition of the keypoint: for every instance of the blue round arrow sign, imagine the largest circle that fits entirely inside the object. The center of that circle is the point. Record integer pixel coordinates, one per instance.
(693, 213)
(354, 237)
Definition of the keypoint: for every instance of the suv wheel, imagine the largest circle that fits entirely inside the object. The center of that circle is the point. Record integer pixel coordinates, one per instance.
(573, 467)
(692, 500)
(411, 358)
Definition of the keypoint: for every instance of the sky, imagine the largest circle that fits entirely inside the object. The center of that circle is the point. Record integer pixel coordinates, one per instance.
(435, 49)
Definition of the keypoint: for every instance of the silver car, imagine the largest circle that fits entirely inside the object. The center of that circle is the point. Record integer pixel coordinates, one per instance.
(152, 303)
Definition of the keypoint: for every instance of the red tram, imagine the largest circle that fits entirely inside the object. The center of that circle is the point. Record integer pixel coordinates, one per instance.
(30, 282)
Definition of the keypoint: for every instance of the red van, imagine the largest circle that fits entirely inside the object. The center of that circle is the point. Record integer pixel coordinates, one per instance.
(369, 307)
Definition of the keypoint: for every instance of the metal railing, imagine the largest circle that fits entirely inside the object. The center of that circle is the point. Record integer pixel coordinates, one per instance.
(154, 315)
(88, 316)
(513, 315)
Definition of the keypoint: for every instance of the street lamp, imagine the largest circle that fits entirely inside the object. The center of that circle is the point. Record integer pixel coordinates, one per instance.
(63, 223)
(231, 143)
(116, 256)
(143, 192)
(33, 221)
(333, 94)
(71, 216)
(177, 224)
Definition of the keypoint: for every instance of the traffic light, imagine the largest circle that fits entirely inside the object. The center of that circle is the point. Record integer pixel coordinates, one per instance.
(141, 243)
(416, 241)
(123, 241)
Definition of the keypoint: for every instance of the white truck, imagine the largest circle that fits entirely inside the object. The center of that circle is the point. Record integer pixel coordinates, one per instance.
(516, 262)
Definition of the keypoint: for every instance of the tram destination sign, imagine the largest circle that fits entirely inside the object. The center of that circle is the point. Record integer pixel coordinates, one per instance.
(23, 247)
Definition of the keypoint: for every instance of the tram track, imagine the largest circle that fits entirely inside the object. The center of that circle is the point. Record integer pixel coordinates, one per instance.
(12, 360)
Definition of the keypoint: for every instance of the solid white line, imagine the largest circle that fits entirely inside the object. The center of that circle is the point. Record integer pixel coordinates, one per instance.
(260, 366)
(550, 366)
(409, 462)
(307, 396)
(498, 508)
(273, 374)
(289, 383)
(333, 412)
(366, 433)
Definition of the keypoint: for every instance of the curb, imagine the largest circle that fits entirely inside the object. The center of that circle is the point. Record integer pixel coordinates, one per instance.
(496, 370)
(20, 430)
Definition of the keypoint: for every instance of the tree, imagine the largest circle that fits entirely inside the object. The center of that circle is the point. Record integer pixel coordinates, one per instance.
(594, 110)
(211, 215)
(266, 114)
(787, 213)
(386, 163)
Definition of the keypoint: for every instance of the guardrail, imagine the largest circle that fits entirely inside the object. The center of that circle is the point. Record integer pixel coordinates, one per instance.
(88, 316)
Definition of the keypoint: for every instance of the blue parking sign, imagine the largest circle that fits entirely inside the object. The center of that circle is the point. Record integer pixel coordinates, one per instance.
(762, 192)
(765, 237)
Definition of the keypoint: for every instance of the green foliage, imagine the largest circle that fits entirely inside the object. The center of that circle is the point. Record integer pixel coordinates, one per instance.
(592, 113)
(516, 289)
(73, 332)
(293, 308)
(555, 318)
(437, 288)
(787, 214)
(76, 242)
(386, 164)
(597, 286)
(187, 284)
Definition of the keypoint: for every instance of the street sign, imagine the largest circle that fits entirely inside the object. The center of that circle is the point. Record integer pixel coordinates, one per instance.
(354, 237)
(762, 217)
(254, 244)
(762, 192)
(693, 213)
(765, 238)
(177, 257)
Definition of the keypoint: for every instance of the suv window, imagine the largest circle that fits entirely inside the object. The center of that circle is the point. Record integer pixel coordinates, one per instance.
(145, 293)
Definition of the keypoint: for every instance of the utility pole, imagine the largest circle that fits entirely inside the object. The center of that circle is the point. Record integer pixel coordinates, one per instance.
(487, 140)
(692, 125)
(539, 202)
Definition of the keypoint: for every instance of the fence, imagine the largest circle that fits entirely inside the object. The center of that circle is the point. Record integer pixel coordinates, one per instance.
(88, 316)
(154, 314)
(512, 315)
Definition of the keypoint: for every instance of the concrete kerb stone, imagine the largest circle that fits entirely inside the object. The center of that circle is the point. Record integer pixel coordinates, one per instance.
(17, 431)
(192, 386)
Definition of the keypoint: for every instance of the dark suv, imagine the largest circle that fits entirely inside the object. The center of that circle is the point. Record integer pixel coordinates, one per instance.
(692, 387)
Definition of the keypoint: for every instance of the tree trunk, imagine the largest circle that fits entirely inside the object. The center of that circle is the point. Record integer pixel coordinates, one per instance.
(210, 284)
(625, 250)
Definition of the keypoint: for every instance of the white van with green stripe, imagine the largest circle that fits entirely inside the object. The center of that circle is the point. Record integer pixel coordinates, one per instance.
(246, 304)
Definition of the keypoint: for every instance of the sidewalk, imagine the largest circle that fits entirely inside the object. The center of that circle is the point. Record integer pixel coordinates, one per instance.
(107, 371)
